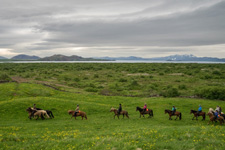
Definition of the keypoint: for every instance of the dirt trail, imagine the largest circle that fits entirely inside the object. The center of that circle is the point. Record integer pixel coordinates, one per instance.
(45, 83)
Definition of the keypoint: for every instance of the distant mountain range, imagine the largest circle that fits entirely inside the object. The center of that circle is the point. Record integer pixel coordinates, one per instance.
(68, 58)
(167, 58)
(25, 57)
(3, 57)
(59, 57)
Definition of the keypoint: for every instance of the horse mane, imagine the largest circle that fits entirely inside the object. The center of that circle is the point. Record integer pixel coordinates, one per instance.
(167, 110)
(113, 108)
(194, 110)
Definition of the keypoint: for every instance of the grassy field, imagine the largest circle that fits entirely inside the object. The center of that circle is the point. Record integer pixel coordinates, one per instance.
(101, 131)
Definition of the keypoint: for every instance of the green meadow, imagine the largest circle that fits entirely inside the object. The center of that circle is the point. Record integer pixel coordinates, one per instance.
(97, 88)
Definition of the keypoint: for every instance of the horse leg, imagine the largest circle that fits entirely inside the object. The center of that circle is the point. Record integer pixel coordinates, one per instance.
(127, 115)
(114, 116)
(176, 118)
(118, 116)
(123, 116)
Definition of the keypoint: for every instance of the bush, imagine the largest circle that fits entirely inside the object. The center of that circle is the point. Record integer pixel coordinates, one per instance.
(182, 87)
(211, 93)
(171, 92)
(91, 89)
(4, 77)
(122, 80)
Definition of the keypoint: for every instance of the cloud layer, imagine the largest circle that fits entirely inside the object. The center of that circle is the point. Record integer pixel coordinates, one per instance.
(146, 28)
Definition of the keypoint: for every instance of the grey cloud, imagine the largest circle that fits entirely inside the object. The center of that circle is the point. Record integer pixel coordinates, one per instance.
(131, 26)
(201, 27)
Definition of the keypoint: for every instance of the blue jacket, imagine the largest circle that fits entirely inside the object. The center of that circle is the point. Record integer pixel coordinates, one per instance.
(173, 109)
(200, 108)
(216, 114)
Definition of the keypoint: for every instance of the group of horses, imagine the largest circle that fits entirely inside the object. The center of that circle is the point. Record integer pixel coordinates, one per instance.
(47, 113)
(38, 112)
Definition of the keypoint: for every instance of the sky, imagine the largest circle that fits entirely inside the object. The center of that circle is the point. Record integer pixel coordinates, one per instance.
(97, 28)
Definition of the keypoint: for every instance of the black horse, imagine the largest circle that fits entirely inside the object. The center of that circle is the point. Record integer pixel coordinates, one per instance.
(142, 112)
(49, 112)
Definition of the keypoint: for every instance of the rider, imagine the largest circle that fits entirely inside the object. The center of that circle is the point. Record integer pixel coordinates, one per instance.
(144, 108)
(219, 109)
(199, 110)
(34, 108)
(173, 110)
(77, 110)
(120, 109)
(216, 115)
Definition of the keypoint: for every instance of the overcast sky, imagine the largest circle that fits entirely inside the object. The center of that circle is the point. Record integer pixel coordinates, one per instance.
(90, 28)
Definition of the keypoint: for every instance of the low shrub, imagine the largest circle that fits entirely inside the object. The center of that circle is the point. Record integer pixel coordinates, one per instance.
(217, 93)
(171, 92)
(5, 77)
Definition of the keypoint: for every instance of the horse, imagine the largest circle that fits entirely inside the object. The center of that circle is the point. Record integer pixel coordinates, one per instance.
(49, 112)
(177, 113)
(211, 118)
(35, 113)
(211, 110)
(196, 114)
(80, 113)
(123, 112)
(148, 111)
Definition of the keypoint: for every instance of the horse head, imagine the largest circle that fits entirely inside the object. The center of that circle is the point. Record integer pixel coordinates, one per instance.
(193, 111)
(112, 109)
(167, 111)
(70, 112)
(211, 110)
(29, 109)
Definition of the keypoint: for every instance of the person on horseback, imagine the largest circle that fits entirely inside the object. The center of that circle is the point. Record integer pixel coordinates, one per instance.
(120, 109)
(199, 110)
(77, 110)
(173, 110)
(216, 115)
(35, 108)
(144, 108)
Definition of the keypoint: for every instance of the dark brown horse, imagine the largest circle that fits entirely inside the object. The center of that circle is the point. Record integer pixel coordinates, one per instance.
(148, 111)
(177, 113)
(211, 118)
(123, 112)
(196, 114)
(80, 113)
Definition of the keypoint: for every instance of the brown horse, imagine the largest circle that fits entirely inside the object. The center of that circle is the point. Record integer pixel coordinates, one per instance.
(196, 114)
(148, 111)
(211, 118)
(123, 112)
(80, 113)
(177, 113)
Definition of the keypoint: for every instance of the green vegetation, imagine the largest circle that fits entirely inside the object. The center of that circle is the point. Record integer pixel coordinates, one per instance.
(133, 80)
(60, 87)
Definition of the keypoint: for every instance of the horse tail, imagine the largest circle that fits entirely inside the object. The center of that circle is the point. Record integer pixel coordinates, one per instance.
(127, 115)
(204, 116)
(180, 116)
(52, 114)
